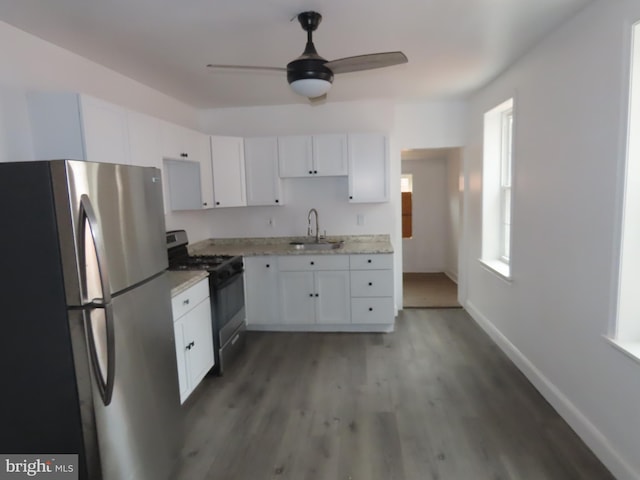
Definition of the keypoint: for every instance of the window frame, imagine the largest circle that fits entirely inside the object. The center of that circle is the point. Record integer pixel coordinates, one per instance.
(497, 187)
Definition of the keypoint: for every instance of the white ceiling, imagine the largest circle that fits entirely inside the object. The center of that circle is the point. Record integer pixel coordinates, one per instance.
(453, 46)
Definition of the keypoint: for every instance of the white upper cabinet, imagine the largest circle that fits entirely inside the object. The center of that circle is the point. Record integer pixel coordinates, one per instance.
(74, 126)
(313, 155)
(187, 167)
(368, 168)
(144, 140)
(330, 155)
(264, 186)
(295, 156)
(227, 159)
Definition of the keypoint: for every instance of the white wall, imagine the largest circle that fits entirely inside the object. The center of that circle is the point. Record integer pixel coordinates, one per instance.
(454, 213)
(570, 106)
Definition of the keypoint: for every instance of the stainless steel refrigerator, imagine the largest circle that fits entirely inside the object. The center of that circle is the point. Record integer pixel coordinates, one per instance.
(88, 361)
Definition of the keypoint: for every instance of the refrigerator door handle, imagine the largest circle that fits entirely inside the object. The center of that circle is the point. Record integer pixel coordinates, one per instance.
(88, 217)
(105, 385)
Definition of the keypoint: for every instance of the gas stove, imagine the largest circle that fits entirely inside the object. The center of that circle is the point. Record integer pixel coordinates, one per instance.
(220, 267)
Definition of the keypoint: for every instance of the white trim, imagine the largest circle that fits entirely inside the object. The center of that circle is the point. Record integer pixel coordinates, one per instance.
(316, 327)
(586, 430)
(630, 349)
(497, 267)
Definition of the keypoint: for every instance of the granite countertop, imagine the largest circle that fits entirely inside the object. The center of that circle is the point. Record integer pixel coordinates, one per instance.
(353, 244)
(183, 279)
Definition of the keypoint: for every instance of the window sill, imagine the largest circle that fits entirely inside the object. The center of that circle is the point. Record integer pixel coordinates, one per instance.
(630, 349)
(499, 268)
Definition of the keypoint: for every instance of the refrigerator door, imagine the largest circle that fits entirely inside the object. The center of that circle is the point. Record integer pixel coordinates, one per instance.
(139, 431)
(127, 206)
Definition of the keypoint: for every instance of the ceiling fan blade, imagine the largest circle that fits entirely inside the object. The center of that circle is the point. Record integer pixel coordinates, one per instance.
(366, 62)
(246, 67)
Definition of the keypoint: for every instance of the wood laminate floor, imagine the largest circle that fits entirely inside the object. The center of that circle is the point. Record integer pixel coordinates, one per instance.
(436, 399)
(429, 290)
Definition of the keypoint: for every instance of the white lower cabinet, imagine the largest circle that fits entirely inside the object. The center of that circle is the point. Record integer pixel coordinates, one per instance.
(371, 289)
(327, 292)
(193, 336)
(315, 297)
(261, 290)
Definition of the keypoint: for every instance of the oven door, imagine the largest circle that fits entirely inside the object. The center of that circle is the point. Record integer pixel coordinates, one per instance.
(229, 319)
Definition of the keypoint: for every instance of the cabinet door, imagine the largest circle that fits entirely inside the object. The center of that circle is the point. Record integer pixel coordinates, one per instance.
(261, 164)
(174, 141)
(201, 149)
(183, 182)
(330, 155)
(261, 290)
(198, 340)
(227, 157)
(295, 154)
(333, 303)
(181, 354)
(368, 168)
(297, 298)
(144, 136)
(105, 131)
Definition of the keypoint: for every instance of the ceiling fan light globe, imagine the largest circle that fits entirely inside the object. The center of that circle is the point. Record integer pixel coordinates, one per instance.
(310, 87)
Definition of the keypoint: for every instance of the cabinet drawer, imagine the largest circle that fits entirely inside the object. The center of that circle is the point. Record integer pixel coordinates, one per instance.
(313, 262)
(377, 261)
(372, 283)
(372, 310)
(185, 301)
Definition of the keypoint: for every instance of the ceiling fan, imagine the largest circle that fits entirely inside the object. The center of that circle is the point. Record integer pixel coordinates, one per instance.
(311, 75)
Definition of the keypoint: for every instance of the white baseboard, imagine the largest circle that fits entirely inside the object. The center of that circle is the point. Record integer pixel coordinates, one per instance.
(452, 275)
(594, 439)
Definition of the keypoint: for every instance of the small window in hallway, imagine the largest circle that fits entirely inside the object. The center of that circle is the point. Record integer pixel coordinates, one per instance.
(626, 330)
(496, 191)
(406, 188)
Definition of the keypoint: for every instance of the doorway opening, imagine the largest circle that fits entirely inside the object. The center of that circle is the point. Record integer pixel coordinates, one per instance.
(431, 218)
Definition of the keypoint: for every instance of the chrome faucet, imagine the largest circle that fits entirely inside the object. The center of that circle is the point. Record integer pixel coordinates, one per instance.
(313, 210)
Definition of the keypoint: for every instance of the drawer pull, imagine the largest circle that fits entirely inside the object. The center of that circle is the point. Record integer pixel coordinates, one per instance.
(267, 265)
(312, 263)
(311, 294)
(369, 261)
(185, 302)
(371, 309)
(370, 283)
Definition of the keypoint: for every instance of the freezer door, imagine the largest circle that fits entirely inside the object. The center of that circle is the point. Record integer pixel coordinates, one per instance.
(140, 430)
(128, 222)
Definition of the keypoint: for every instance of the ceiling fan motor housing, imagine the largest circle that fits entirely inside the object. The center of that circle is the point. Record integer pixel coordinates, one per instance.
(309, 65)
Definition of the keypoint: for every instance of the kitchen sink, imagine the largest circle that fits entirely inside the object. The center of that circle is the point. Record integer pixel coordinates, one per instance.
(321, 245)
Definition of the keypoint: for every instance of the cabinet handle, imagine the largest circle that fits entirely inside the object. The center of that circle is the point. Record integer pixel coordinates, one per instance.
(312, 263)
(371, 309)
(185, 302)
(277, 201)
(315, 172)
(311, 294)
(184, 155)
(370, 283)
(268, 265)
(217, 203)
(350, 197)
(310, 172)
(205, 204)
(317, 294)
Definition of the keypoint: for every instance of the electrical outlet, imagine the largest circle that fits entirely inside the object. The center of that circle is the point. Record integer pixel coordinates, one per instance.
(360, 219)
(272, 222)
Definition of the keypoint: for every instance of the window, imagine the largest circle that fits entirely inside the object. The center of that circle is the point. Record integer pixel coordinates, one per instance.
(626, 332)
(497, 190)
(406, 189)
